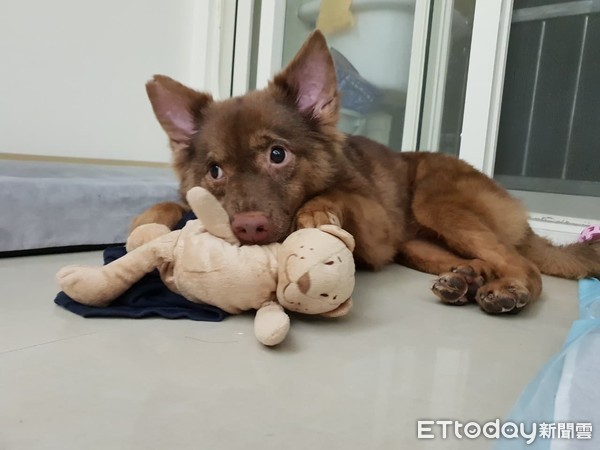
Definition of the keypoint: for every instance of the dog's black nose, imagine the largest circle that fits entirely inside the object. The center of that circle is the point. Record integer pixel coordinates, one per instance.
(252, 227)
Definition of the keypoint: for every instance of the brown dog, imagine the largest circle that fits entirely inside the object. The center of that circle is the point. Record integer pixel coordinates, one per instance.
(276, 161)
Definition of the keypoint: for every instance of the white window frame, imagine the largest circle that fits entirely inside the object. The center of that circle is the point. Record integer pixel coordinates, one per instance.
(483, 103)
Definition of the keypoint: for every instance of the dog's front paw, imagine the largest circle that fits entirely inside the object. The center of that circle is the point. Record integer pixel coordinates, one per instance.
(318, 212)
(451, 288)
(503, 296)
(315, 219)
(459, 286)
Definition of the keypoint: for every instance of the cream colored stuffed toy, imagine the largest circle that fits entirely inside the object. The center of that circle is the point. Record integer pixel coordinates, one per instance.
(311, 272)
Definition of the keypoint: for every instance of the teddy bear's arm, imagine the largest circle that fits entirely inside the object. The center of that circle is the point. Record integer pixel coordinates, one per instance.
(144, 234)
(212, 215)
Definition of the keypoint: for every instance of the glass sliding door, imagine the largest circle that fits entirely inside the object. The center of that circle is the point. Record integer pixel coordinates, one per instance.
(379, 62)
(401, 64)
(372, 54)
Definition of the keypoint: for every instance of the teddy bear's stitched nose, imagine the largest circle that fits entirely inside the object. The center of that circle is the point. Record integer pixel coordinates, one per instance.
(304, 283)
(252, 227)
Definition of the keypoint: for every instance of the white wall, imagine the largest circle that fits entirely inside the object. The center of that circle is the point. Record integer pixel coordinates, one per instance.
(72, 74)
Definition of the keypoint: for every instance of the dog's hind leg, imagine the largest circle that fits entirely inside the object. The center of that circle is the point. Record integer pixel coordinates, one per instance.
(166, 213)
(518, 280)
(476, 218)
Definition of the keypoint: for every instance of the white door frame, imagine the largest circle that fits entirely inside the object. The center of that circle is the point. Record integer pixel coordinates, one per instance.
(485, 80)
(416, 76)
(437, 67)
(243, 47)
(270, 41)
(211, 58)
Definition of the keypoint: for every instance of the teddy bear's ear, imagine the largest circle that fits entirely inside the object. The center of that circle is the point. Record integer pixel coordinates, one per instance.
(339, 233)
(340, 311)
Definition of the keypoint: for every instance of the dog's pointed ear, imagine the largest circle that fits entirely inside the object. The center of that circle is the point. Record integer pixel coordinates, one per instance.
(177, 107)
(310, 81)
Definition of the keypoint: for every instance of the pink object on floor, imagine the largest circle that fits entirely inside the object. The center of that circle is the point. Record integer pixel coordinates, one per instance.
(590, 233)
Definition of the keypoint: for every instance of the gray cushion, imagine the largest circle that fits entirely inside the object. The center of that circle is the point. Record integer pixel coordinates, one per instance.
(52, 204)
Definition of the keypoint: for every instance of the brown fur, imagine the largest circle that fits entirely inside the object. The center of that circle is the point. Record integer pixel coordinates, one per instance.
(429, 211)
(166, 213)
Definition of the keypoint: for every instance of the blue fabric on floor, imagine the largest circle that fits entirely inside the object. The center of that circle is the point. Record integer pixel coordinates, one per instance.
(566, 389)
(149, 297)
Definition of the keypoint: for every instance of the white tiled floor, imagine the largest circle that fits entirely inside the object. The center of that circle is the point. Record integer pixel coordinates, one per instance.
(357, 383)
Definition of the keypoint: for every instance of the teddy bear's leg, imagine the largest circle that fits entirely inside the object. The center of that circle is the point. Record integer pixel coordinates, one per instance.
(98, 286)
(271, 324)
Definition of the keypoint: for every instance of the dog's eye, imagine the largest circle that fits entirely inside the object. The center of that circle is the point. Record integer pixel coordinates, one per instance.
(216, 172)
(277, 155)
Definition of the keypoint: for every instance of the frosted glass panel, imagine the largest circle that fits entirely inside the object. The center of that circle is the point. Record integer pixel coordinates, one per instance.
(372, 62)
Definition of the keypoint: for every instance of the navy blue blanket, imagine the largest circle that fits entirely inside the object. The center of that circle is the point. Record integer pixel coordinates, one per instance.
(149, 297)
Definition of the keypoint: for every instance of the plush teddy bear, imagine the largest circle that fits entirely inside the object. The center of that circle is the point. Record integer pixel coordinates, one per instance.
(311, 272)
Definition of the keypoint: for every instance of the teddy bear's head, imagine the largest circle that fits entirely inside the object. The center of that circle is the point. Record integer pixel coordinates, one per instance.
(316, 271)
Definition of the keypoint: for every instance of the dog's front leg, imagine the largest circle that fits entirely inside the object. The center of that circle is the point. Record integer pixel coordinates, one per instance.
(364, 217)
(321, 210)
